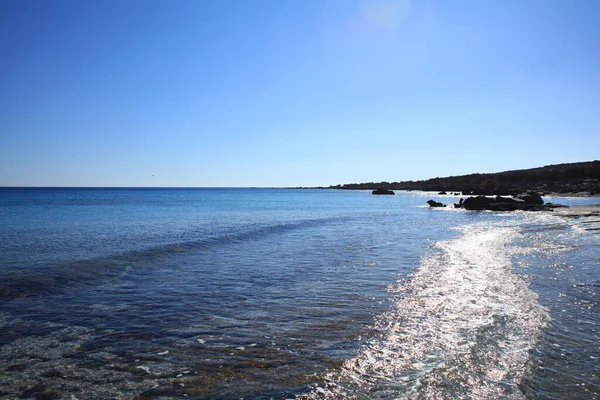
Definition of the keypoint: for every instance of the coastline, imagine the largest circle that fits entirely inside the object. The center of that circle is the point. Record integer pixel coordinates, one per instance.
(573, 194)
(592, 210)
(588, 216)
(589, 211)
(567, 179)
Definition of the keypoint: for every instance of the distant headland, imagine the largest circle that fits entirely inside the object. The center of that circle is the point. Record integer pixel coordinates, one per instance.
(581, 178)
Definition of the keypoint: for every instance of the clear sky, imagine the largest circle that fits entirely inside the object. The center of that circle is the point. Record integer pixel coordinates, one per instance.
(293, 92)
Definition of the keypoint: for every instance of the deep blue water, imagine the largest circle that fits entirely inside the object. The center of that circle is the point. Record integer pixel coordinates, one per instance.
(278, 293)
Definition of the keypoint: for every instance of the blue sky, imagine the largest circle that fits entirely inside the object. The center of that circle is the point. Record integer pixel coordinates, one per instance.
(295, 92)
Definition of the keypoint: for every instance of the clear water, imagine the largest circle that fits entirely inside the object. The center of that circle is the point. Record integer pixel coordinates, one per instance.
(268, 293)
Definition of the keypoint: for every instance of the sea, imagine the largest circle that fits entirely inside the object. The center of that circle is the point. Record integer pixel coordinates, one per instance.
(230, 293)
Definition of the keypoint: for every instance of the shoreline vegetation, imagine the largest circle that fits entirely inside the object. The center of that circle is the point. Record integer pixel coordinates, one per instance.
(573, 179)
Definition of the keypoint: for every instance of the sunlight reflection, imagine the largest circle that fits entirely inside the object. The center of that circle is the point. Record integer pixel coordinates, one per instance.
(463, 324)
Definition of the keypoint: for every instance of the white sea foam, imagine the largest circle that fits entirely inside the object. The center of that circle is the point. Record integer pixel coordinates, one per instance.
(462, 325)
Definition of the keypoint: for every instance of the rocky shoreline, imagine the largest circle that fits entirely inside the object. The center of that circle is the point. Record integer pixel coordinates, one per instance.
(529, 201)
(572, 179)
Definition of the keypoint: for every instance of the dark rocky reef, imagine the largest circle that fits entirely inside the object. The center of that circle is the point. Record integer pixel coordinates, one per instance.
(530, 201)
(433, 203)
(531, 198)
(383, 191)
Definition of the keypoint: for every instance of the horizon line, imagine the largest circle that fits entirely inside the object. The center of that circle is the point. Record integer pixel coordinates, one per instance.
(165, 187)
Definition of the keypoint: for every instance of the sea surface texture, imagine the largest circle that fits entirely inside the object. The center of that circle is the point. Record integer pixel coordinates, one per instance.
(278, 294)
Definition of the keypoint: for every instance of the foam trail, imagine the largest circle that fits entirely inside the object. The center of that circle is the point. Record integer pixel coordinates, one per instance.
(461, 328)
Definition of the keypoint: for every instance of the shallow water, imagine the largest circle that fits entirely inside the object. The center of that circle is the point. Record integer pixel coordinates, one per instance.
(255, 293)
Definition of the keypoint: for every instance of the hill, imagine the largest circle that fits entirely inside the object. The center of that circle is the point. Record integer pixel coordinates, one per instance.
(559, 178)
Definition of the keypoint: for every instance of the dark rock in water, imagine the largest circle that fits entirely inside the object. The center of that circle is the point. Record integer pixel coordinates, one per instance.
(555, 205)
(16, 367)
(443, 192)
(531, 198)
(476, 203)
(500, 203)
(500, 199)
(497, 203)
(39, 391)
(383, 191)
(433, 203)
(52, 373)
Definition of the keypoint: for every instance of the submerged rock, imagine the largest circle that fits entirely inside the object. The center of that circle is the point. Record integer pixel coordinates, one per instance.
(52, 373)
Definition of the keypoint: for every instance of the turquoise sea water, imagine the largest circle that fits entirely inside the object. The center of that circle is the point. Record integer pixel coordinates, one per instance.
(275, 293)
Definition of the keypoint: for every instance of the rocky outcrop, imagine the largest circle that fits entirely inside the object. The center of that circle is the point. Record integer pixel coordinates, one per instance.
(531, 198)
(383, 191)
(530, 201)
(433, 203)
